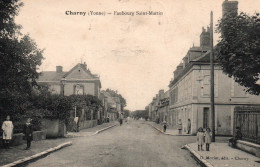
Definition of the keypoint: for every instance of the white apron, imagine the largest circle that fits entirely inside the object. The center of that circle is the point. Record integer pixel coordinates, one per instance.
(7, 128)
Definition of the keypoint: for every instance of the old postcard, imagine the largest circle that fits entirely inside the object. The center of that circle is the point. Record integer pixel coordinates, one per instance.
(130, 83)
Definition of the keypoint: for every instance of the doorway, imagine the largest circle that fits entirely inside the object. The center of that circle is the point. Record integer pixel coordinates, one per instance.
(205, 117)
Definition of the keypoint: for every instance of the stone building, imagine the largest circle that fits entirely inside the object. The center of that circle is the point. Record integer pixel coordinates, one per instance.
(111, 104)
(190, 90)
(78, 80)
(158, 108)
(163, 106)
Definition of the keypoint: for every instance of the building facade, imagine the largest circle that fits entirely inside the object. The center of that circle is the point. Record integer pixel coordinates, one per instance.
(78, 81)
(112, 105)
(158, 108)
(190, 89)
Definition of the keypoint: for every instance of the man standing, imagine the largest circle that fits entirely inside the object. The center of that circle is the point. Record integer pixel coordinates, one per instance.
(189, 126)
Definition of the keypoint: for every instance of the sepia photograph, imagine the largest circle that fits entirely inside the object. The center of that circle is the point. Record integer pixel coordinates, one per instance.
(129, 83)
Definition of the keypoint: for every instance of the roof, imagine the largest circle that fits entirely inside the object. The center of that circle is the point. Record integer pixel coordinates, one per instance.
(83, 66)
(198, 48)
(110, 98)
(53, 76)
(204, 58)
(50, 76)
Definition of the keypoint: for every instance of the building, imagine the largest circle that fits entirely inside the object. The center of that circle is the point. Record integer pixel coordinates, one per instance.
(112, 105)
(190, 90)
(163, 106)
(78, 81)
(158, 108)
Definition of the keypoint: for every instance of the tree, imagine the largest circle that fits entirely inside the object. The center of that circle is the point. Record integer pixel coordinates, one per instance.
(19, 59)
(140, 114)
(238, 51)
(126, 113)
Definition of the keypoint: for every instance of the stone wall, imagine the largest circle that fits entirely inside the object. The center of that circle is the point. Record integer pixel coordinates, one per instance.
(18, 138)
(87, 124)
(54, 128)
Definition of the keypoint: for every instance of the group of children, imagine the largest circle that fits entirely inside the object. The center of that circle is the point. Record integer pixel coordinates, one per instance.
(203, 137)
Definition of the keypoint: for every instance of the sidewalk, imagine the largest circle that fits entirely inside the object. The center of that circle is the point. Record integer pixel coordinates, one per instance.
(92, 131)
(169, 131)
(221, 155)
(19, 152)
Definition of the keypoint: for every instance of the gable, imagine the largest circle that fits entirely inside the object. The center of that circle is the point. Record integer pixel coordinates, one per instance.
(78, 72)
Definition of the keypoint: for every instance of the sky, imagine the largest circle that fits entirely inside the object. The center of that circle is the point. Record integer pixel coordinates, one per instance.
(135, 55)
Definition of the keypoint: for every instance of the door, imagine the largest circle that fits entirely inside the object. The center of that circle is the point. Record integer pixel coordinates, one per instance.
(205, 117)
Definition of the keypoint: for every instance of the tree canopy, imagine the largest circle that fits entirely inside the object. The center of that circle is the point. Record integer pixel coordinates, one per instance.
(140, 114)
(19, 59)
(238, 50)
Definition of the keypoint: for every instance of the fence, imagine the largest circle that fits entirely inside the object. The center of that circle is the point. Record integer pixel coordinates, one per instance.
(248, 120)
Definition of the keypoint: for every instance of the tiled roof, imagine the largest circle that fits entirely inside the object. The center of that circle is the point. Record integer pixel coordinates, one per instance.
(51, 76)
(197, 48)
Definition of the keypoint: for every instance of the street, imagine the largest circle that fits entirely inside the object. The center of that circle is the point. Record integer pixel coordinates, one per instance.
(132, 144)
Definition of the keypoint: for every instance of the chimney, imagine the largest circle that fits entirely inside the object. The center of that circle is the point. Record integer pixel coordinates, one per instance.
(161, 94)
(185, 61)
(85, 65)
(229, 7)
(175, 74)
(205, 38)
(59, 69)
(178, 70)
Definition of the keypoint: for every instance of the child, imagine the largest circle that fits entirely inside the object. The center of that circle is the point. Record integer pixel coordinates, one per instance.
(7, 128)
(207, 138)
(200, 136)
(28, 132)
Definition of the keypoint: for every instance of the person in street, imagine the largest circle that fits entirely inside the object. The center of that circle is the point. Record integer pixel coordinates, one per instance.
(7, 128)
(188, 126)
(200, 139)
(164, 126)
(180, 126)
(207, 136)
(120, 121)
(237, 136)
(28, 133)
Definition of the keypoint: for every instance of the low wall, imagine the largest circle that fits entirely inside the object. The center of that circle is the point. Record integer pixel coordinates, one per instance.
(54, 128)
(249, 147)
(18, 138)
(87, 124)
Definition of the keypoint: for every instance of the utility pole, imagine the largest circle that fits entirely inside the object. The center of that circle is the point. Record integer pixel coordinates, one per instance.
(212, 105)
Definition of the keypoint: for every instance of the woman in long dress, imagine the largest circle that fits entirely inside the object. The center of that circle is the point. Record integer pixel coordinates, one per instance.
(7, 128)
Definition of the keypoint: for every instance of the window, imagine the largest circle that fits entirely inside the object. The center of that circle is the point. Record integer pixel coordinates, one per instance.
(78, 89)
(174, 95)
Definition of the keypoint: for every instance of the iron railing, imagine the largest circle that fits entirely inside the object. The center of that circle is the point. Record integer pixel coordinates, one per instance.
(249, 123)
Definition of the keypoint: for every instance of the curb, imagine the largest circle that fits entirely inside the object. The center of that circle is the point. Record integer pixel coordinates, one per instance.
(101, 130)
(164, 132)
(36, 156)
(196, 156)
